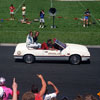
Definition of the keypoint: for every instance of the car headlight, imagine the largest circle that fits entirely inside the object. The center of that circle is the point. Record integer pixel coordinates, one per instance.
(18, 52)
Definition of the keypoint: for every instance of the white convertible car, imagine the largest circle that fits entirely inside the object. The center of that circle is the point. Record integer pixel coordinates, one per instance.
(73, 53)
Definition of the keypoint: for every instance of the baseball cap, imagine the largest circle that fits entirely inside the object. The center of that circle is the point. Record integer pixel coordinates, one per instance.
(2, 80)
(1, 92)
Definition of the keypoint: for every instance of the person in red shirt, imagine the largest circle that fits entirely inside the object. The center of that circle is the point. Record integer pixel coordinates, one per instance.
(36, 94)
(48, 45)
(12, 8)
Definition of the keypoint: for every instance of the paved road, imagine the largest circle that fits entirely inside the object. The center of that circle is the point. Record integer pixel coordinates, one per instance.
(70, 79)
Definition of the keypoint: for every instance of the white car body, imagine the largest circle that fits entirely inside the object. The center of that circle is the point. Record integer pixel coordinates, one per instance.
(69, 52)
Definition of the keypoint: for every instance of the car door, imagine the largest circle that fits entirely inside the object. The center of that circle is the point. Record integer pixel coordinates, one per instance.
(51, 54)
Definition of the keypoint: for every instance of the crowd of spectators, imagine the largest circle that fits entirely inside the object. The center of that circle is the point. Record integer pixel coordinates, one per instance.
(24, 19)
(34, 93)
(86, 17)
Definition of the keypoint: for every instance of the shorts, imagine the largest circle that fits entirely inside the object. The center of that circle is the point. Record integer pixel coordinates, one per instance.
(42, 20)
(23, 13)
(86, 18)
(12, 13)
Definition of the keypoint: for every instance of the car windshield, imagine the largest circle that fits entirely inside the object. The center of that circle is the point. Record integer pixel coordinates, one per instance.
(60, 44)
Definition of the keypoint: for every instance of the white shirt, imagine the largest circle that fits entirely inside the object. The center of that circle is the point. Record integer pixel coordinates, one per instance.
(29, 39)
(49, 96)
(23, 8)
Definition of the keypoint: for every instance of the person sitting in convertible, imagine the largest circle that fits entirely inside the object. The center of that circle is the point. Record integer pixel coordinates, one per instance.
(31, 40)
(48, 45)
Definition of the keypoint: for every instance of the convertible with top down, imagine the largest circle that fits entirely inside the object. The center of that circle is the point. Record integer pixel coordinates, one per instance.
(74, 53)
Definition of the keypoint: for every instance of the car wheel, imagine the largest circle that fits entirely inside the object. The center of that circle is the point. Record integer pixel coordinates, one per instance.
(29, 58)
(75, 59)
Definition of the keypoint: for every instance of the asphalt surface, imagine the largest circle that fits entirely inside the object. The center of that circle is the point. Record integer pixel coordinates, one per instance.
(71, 80)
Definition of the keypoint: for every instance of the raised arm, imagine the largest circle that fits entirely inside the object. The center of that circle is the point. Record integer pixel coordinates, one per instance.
(43, 88)
(55, 88)
(14, 86)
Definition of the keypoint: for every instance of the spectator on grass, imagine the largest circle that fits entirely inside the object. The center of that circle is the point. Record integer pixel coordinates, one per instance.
(12, 8)
(86, 18)
(42, 19)
(51, 96)
(39, 94)
(31, 40)
(14, 86)
(23, 11)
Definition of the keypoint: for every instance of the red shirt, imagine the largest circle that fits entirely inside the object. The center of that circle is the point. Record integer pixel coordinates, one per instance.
(12, 8)
(37, 96)
(44, 46)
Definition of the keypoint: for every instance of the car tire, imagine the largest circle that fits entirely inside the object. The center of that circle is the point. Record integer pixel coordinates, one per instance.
(75, 59)
(29, 59)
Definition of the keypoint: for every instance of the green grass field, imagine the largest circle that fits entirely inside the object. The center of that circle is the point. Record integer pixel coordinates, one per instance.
(68, 29)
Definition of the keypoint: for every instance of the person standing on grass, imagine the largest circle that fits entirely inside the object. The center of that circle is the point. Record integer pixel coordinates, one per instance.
(12, 8)
(42, 19)
(86, 18)
(23, 11)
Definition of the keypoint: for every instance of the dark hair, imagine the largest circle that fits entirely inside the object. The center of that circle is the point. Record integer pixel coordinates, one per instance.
(49, 40)
(41, 10)
(34, 89)
(11, 4)
(87, 9)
